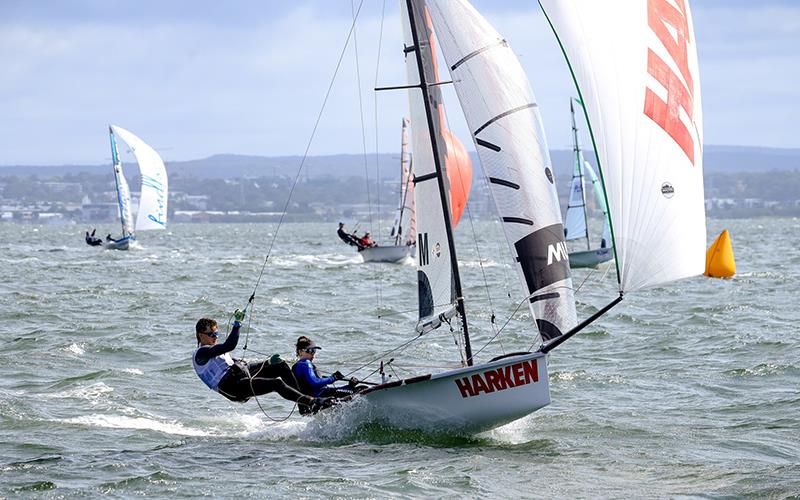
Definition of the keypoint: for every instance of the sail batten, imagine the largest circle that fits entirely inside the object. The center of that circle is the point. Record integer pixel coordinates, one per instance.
(501, 110)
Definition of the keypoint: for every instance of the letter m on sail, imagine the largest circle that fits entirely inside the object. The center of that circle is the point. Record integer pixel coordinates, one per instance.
(556, 252)
(422, 249)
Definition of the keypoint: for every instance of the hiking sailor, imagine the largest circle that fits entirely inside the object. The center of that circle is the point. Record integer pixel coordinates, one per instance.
(308, 379)
(237, 380)
(92, 240)
(350, 239)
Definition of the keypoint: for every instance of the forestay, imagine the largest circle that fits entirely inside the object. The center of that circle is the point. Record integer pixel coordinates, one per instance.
(153, 200)
(635, 65)
(123, 191)
(502, 114)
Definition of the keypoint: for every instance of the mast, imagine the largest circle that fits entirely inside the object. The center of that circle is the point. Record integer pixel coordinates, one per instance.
(412, 7)
(117, 165)
(579, 165)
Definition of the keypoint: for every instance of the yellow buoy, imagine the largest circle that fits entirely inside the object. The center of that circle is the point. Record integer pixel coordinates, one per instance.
(719, 257)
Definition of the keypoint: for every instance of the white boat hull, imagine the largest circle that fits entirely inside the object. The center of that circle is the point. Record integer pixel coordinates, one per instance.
(387, 253)
(590, 258)
(472, 399)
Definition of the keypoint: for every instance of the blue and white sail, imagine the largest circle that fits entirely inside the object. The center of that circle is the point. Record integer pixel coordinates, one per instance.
(123, 191)
(152, 213)
(600, 195)
(575, 220)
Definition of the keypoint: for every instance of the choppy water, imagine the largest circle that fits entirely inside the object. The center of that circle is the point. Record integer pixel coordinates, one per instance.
(687, 390)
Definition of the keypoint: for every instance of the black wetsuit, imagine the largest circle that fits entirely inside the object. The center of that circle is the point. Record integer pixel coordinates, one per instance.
(349, 239)
(237, 384)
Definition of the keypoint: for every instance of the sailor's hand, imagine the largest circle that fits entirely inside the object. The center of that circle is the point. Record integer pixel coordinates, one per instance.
(352, 382)
(338, 375)
(238, 315)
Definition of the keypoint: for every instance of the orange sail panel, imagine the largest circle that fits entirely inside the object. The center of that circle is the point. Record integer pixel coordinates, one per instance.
(459, 173)
(719, 258)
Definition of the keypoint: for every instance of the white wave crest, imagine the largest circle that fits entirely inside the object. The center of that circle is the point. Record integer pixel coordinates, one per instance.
(123, 422)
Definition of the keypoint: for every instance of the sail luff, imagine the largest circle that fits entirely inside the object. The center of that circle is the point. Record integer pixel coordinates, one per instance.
(422, 48)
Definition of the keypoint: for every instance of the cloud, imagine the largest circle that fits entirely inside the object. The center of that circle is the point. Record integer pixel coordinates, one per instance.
(199, 78)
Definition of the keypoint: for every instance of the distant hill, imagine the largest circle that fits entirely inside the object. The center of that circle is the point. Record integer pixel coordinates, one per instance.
(718, 159)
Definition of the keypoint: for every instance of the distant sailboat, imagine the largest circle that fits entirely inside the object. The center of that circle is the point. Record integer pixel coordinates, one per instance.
(576, 223)
(152, 212)
(404, 231)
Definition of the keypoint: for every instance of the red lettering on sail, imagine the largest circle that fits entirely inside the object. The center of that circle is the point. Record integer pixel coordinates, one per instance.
(660, 14)
(499, 379)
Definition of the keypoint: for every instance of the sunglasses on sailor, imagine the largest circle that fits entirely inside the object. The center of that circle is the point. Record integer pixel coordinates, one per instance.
(310, 350)
(213, 335)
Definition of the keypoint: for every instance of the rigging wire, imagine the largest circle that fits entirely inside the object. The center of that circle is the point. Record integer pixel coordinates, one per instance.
(305, 153)
(379, 284)
(251, 300)
(361, 115)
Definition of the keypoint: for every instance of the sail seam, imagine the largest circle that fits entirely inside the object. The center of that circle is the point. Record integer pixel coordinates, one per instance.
(476, 52)
(503, 115)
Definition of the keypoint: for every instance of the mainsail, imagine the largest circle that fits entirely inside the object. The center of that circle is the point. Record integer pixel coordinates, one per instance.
(123, 192)
(405, 226)
(436, 152)
(635, 66)
(501, 111)
(153, 200)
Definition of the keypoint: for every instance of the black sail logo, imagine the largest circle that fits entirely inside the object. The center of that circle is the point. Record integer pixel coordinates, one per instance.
(422, 249)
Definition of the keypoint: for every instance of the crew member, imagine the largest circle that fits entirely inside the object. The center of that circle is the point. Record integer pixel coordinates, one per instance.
(308, 379)
(237, 380)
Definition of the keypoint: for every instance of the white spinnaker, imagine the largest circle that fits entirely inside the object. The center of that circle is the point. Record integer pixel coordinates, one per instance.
(502, 114)
(575, 218)
(635, 65)
(434, 266)
(153, 200)
(601, 204)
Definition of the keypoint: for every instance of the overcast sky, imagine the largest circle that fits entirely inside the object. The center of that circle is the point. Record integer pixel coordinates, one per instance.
(200, 77)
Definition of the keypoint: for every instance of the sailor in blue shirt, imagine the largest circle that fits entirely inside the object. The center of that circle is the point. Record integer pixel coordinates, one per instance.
(237, 380)
(308, 380)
